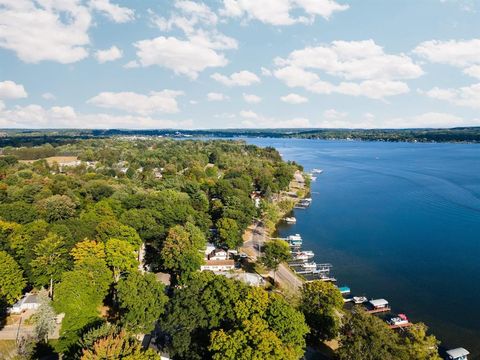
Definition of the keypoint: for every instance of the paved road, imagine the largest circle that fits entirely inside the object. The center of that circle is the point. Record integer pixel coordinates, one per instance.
(284, 276)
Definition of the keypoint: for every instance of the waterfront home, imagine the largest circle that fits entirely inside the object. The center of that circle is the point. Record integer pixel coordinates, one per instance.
(218, 265)
(27, 302)
(457, 354)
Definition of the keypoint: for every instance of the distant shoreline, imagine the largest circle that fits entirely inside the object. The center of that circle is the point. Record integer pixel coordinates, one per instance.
(27, 137)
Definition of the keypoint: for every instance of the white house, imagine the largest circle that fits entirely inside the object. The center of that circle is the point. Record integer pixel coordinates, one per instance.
(218, 265)
(218, 254)
(27, 302)
(457, 354)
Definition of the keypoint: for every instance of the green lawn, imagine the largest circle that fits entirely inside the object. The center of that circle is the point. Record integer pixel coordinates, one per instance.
(7, 347)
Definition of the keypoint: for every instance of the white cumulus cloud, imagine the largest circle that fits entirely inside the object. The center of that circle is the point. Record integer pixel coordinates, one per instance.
(241, 78)
(111, 54)
(468, 96)
(363, 67)
(460, 53)
(35, 117)
(48, 96)
(334, 114)
(115, 12)
(252, 99)
(213, 96)
(281, 12)
(45, 30)
(12, 90)
(163, 101)
(294, 99)
(202, 45)
(183, 57)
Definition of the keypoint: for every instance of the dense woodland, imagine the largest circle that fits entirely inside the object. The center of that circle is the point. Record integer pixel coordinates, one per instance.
(76, 232)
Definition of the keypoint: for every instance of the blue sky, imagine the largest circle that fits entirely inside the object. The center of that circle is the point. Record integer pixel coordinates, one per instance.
(239, 63)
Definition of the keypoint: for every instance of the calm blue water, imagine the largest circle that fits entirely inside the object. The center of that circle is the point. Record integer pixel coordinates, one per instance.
(398, 221)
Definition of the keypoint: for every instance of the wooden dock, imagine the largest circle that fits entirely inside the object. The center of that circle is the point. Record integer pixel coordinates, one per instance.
(400, 326)
(376, 311)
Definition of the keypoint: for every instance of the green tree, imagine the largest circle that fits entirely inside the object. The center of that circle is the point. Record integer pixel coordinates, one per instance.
(322, 304)
(181, 252)
(141, 300)
(229, 233)
(420, 345)
(87, 250)
(288, 323)
(11, 279)
(98, 189)
(56, 208)
(121, 257)
(19, 212)
(205, 316)
(44, 318)
(79, 295)
(114, 230)
(274, 253)
(50, 261)
(22, 243)
(366, 337)
(6, 229)
(254, 340)
(118, 347)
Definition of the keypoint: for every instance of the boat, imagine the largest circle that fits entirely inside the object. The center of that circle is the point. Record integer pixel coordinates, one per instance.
(290, 220)
(302, 255)
(309, 266)
(295, 240)
(317, 171)
(401, 319)
(359, 299)
(304, 203)
(344, 290)
(313, 178)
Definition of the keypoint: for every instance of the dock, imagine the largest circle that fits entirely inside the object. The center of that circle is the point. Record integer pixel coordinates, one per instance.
(380, 310)
(400, 326)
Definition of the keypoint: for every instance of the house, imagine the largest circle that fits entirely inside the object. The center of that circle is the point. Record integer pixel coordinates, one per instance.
(379, 303)
(27, 302)
(157, 173)
(457, 354)
(218, 265)
(218, 254)
(209, 249)
(256, 196)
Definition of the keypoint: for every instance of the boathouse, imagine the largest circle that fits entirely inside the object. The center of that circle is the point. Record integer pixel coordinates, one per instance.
(457, 354)
(379, 303)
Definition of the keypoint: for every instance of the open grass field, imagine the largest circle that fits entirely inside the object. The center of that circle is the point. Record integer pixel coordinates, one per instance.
(58, 159)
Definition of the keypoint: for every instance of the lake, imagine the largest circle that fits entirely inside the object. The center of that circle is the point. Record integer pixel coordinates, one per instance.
(399, 221)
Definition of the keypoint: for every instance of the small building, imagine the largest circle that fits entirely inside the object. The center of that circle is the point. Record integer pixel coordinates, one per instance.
(218, 254)
(208, 250)
(27, 302)
(218, 265)
(379, 303)
(458, 354)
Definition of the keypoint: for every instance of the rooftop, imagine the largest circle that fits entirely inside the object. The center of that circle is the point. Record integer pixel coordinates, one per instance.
(457, 353)
(218, 262)
(379, 302)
